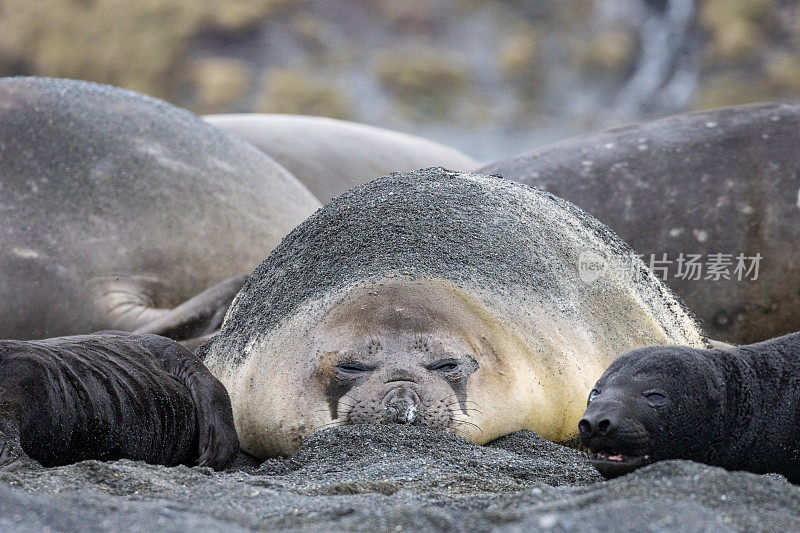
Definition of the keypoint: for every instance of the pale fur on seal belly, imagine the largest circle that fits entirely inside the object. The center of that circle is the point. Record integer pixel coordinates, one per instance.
(505, 253)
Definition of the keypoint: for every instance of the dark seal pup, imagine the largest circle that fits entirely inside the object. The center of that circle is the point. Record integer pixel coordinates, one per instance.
(111, 396)
(119, 211)
(735, 408)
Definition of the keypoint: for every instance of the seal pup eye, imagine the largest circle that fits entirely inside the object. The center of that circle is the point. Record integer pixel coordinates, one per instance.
(445, 365)
(351, 367)
(592, 395)
(655, 397)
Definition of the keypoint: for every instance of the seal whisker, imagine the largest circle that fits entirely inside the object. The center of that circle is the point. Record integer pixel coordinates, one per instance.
(476, 426)
(460, 411)
(446, 398)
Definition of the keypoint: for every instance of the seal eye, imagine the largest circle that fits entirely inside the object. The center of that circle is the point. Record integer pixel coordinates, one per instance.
(592, 395)
(351, 367)
(655, 397)
(445, 365)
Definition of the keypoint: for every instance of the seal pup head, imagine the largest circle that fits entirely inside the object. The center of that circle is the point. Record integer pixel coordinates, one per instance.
(653, 404)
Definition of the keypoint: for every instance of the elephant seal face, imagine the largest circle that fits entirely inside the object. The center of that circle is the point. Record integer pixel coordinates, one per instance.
(395, 354)
(400, 378)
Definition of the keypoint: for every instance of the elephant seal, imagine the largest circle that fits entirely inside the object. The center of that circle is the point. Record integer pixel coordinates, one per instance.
(330, 156)
(682, 190)
(445, 300)
(734, 408)
(111, 396)
(118, 211)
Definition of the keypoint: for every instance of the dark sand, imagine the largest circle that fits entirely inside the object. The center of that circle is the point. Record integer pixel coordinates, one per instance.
(371, 478)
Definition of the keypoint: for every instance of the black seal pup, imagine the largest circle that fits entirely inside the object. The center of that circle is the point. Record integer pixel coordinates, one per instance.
(738, 408)
(111, 396)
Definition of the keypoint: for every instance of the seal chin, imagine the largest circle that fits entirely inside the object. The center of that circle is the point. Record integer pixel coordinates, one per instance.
(613, 464)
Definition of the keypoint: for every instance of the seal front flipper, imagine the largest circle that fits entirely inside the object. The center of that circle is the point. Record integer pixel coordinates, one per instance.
(12, 457)
(218, 444)
(198, 316)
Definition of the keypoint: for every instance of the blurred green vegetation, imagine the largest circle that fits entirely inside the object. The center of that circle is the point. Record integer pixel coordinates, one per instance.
(613, 51)
(752, 52)
(291, 91)
(219, 83)
(138, 44)
(186, 51)
(423, 80)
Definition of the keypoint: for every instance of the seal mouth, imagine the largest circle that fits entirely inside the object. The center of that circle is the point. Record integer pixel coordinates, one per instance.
(611, 463)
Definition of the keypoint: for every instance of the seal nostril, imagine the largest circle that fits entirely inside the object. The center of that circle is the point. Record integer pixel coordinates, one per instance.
(401, 406)
(584, 427)
(604, 426)
(401, 412)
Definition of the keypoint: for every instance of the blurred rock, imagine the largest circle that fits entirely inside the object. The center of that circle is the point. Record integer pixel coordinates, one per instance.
(519, 60)
(726, 90)
(518, 53)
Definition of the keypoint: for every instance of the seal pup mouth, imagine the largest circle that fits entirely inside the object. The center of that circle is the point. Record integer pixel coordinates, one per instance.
(613, 464)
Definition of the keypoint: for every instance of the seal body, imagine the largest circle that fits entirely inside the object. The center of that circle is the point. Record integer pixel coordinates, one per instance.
(446, 300)
(111, 396)
(117, 208)
(330, 156)
(735, 408)
(681, 190)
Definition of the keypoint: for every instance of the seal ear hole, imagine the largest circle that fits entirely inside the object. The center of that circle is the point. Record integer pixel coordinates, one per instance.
(655, 397)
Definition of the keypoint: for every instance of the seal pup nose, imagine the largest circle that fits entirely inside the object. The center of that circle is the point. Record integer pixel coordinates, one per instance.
(401, 406)
(590, 427)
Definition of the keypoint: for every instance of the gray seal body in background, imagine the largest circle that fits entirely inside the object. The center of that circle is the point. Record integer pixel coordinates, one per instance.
(330, 156)
(720, 182)
(116, 208)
